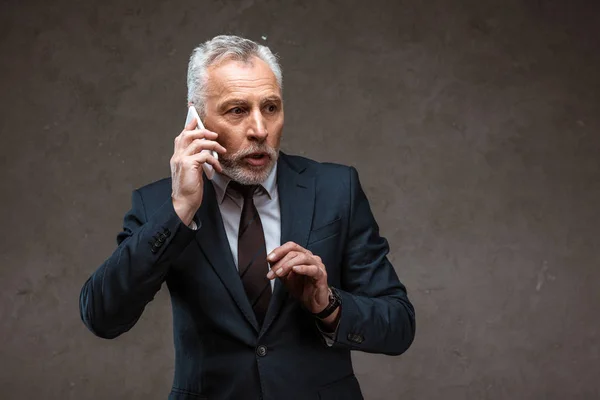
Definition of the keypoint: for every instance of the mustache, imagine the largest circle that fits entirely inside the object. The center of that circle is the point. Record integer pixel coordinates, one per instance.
(254, 148)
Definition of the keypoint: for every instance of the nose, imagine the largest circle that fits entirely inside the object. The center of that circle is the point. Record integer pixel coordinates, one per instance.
(258, 127)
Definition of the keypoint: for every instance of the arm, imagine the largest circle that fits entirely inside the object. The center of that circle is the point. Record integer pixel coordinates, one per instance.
(376, 315)
(114, 297)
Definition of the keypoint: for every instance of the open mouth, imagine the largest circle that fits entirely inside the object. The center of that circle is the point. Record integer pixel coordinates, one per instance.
(257, 159)
(257, 156)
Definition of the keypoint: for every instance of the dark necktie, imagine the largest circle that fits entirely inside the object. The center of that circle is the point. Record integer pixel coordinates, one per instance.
(252, 253)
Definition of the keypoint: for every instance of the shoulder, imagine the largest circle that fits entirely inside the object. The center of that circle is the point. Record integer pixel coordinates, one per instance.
(156, 187)
(321, 170)
(330, 178)
(156, 193)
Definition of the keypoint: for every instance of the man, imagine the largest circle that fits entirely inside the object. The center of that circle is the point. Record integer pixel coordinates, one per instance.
(275, 267)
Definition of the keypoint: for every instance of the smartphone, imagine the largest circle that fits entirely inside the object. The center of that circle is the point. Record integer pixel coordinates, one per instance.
(193, 114)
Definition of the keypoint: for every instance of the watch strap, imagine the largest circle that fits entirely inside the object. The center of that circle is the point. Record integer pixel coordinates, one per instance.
(334, 302)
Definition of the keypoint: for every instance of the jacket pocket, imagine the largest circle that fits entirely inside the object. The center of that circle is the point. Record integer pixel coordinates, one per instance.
(346, 388)
(181, 394)
(325, 232)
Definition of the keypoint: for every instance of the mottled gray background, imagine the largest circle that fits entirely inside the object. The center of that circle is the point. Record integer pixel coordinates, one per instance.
(475, 126)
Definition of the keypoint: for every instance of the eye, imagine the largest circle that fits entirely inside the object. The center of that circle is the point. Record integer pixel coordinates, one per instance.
(271, 108)
(236, 111)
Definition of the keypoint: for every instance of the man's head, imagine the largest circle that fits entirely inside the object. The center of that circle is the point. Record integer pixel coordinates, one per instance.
(236, 86)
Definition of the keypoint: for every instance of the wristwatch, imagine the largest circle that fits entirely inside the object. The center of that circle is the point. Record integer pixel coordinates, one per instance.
(334, 302)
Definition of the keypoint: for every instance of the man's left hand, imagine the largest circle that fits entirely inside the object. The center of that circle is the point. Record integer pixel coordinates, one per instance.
(303, 273)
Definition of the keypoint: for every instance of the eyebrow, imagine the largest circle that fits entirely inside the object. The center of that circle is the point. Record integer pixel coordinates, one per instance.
(272, 99)
(231, 102)
(243, 103)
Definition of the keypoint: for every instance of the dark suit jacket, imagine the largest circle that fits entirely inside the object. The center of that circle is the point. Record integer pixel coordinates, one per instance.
(221, 353)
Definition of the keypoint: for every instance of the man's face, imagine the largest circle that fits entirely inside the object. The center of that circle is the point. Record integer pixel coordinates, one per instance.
(244, 106)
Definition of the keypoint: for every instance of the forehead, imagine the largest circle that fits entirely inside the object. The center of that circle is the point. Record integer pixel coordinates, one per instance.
(232, 77)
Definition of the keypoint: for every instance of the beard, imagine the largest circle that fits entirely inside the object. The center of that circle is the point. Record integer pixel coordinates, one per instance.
(235, 167)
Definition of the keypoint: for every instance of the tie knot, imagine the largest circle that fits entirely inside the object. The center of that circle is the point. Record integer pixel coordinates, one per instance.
(247, 191)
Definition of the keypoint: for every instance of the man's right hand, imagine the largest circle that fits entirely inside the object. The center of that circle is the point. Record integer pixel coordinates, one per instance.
(186, 168)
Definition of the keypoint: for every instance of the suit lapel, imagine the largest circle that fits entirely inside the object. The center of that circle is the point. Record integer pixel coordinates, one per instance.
(296, 201)
(213, 242)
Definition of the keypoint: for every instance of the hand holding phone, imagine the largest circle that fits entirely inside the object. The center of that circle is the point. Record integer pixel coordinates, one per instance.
(186, 178)
(193, 114)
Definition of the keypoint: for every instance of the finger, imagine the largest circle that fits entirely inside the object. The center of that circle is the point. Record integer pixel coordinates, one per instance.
(309, 270)
(281, 251)
(202, 144)
(276, 267)
(206, 157)
(187, 137)
(283, 267)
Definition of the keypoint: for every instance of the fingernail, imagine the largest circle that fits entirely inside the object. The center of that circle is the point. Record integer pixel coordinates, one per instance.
(270, 256)
(270, 275)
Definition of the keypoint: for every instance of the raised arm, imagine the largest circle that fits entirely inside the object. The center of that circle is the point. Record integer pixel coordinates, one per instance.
(115, 296)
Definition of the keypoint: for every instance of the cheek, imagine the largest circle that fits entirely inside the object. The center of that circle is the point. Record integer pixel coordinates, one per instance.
(275, 134)
(230, 141)
(274, 141)
(232, 147)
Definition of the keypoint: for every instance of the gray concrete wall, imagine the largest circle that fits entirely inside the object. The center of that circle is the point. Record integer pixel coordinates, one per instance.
(475, 126)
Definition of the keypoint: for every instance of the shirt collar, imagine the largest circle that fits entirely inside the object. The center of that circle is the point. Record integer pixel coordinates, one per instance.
(220, 182)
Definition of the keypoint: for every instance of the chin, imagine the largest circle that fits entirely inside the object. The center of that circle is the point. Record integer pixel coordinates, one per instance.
(249, 175)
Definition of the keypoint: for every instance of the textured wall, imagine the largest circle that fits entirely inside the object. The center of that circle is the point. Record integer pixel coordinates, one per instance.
(475, 126)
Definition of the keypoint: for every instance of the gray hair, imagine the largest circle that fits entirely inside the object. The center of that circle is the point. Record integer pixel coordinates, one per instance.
(218, 49)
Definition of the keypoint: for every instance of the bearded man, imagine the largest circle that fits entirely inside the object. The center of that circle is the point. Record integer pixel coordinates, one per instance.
(275, 266)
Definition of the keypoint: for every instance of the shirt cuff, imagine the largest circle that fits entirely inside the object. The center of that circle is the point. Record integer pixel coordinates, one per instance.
(329, 337)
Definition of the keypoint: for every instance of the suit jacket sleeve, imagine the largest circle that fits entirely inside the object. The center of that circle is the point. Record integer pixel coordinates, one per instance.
(114, 297)
(376, 315)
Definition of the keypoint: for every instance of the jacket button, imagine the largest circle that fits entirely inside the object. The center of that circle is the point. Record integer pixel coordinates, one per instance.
(167, 232)
(261, 350)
